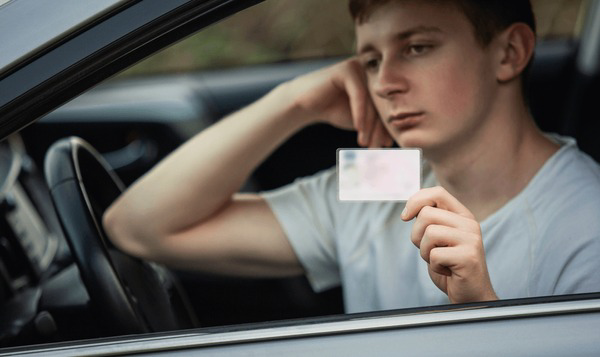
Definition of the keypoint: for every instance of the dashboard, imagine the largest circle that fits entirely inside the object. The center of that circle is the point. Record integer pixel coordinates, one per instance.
(32, 248)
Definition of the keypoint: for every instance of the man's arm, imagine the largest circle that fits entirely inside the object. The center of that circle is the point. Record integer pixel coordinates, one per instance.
(185, 212)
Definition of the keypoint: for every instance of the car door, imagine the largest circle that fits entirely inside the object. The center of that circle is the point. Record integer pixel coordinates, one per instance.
(140, 116)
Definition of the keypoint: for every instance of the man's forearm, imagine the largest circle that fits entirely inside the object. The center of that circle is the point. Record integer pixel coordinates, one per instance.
(201, 176)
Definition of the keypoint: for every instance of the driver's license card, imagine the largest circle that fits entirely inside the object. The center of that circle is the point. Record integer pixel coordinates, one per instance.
(378, 174)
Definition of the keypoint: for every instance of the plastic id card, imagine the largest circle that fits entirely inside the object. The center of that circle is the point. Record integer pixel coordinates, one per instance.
(378, 174)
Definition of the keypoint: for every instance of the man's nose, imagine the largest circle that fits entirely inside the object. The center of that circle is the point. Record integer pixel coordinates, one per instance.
(390, 80)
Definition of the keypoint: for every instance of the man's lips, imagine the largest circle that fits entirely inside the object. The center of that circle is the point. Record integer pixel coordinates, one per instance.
(405, 120)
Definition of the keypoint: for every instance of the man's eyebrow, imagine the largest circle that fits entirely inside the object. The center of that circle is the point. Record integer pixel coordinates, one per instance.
(403, 36)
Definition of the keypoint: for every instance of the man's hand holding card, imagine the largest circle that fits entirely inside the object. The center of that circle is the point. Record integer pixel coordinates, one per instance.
(446, 233)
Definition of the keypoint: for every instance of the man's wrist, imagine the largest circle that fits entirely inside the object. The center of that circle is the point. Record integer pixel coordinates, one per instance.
(283, 101)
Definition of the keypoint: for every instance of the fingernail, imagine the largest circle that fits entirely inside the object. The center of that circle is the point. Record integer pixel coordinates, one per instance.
(404, 213)
(361, 139)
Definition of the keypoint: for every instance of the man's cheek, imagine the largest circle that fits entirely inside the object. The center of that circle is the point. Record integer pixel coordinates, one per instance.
(452, 93)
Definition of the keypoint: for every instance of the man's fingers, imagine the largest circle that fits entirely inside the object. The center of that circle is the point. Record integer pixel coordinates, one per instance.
(440, 258)
(434, 197)
(386, 138)
(360, 103)
(379, 137)
(357, 98)
(365, 119)
(449, 258)
(436, 236)
(371, 131)
(436, 216)
(389, 140)
(368, 124)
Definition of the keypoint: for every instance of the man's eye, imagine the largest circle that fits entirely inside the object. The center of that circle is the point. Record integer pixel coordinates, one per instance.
(371, 64)
(417, 50)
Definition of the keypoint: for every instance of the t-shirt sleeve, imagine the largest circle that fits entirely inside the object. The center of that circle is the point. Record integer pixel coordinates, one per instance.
(303, 209)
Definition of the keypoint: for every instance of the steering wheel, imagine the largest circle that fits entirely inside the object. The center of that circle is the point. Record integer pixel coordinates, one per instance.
(132, 295)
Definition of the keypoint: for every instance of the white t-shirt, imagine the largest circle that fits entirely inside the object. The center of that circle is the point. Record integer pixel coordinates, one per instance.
(544, 241)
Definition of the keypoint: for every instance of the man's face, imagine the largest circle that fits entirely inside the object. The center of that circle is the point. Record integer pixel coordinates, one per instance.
(430, 80)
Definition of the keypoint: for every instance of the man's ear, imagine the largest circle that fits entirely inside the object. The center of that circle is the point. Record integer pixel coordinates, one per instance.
(517, 43)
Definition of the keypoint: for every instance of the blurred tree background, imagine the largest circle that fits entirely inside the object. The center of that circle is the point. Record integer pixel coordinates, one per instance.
(283, 30)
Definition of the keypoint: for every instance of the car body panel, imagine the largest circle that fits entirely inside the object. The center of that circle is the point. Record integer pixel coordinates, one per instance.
(549, 329)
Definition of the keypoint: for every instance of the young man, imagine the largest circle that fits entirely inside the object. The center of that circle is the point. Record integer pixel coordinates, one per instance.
(509, 212)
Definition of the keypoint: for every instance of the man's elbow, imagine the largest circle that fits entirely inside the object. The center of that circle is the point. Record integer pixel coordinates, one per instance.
(120, 229)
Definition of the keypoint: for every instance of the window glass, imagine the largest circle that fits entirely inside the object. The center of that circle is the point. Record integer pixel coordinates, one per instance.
(272, 31)
(285, 30)
(559, 18)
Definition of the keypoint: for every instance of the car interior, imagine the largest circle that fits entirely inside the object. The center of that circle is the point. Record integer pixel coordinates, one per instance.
(133, 121)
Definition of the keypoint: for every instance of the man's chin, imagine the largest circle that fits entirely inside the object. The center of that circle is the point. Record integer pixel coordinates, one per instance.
(412, 140)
